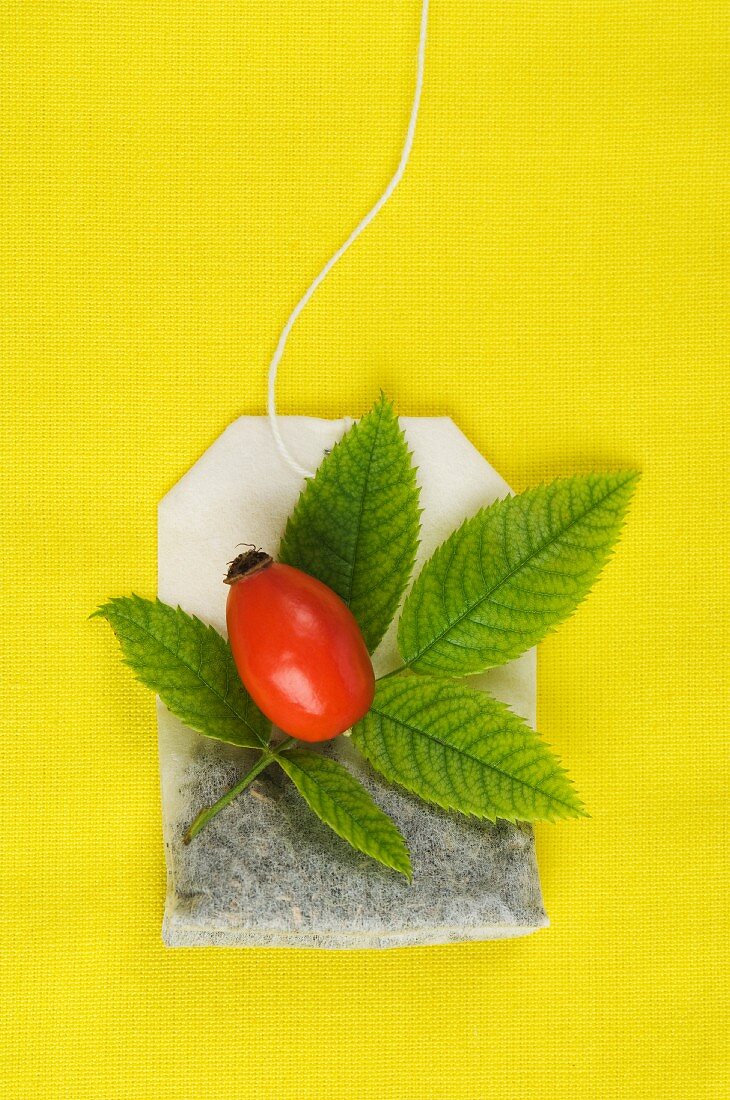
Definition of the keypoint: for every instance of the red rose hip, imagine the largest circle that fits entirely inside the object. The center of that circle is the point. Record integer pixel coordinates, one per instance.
(298, 648)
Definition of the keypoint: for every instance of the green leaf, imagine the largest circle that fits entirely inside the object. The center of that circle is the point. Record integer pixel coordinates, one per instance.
(356, 524)
(342, 803)
(190, 666)
(512, 573)
(463, 750)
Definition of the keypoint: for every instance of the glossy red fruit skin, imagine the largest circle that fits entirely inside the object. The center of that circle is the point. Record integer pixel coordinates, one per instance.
(299, 652)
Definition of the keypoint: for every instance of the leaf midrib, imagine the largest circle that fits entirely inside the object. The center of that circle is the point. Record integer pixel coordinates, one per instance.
(516, 569)
(361, 509)
(194, 671)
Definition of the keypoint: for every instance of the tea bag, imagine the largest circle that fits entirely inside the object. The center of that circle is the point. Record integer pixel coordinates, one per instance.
(266, 871)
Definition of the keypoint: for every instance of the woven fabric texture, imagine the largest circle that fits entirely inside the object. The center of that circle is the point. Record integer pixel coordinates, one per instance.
(552, 274)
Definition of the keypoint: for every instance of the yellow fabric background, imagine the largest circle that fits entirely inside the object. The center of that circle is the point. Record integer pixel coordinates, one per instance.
(552, 274)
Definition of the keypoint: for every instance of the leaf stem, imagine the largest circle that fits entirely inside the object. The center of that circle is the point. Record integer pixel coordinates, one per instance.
(206, 815)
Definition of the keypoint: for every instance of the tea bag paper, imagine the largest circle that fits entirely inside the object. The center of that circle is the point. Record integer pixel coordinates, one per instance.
(266, 871)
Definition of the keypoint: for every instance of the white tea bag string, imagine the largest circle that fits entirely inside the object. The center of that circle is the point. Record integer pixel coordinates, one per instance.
(371, 214)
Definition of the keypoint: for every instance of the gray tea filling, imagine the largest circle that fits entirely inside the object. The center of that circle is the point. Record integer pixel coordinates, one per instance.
(266, 871)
